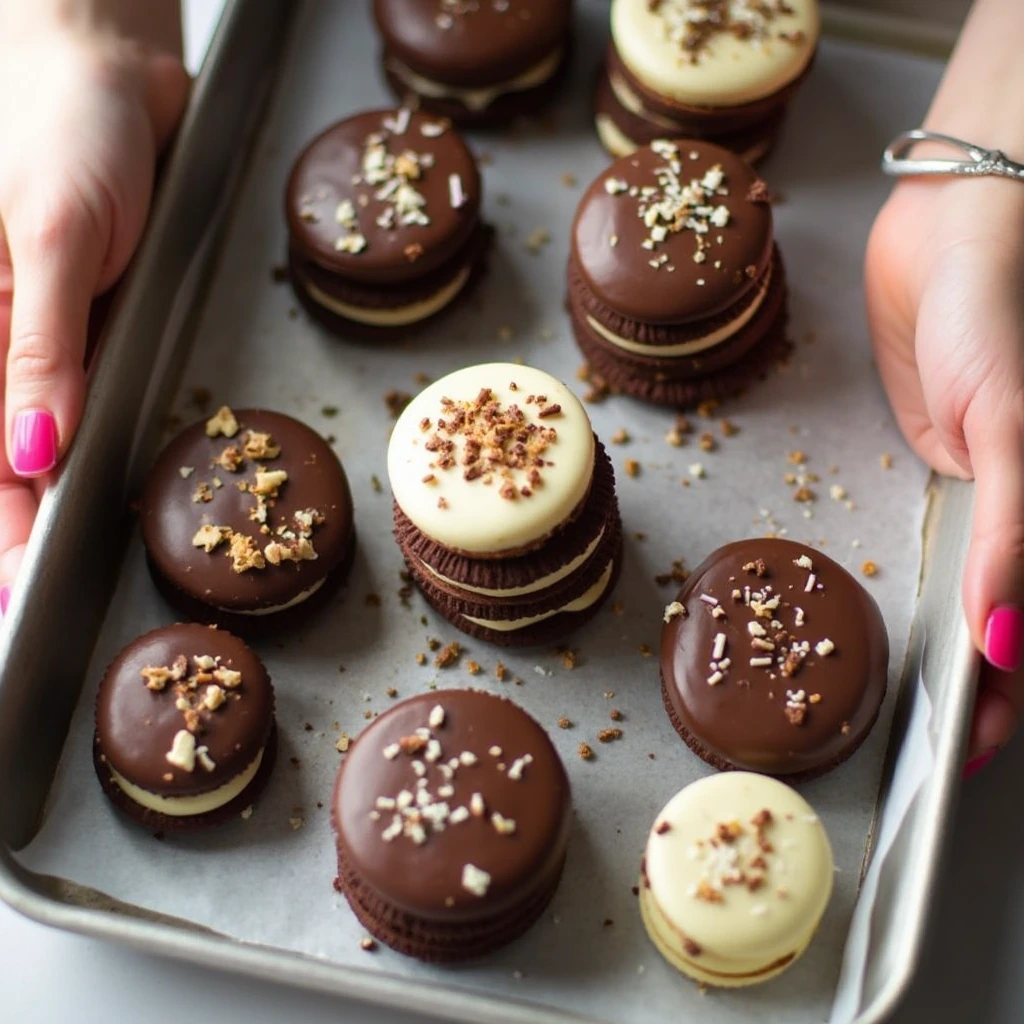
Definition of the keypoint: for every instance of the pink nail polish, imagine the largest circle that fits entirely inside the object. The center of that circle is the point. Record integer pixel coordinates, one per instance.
(5, 600)
(1004, 637)
(34, 442)
(975, 766)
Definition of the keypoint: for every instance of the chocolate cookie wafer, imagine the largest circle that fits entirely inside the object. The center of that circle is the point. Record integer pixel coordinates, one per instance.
(384, 224)
(677, 291)
(505, 504)
(773, 659)
(451, 814)
(185, 734)
(723, 71)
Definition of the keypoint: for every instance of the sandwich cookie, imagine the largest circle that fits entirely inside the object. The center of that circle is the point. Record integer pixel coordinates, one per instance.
(735, 878)
(719, 70)
(479, 62)
(505, 506)
(452, 814)
(773, 659)
(677, 292)
(247, 521)
(185, 733)
(384, 223)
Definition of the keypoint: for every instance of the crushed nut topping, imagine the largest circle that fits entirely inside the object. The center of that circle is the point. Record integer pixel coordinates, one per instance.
(475, 881)
(222, 422)
(735, 853)
(183, 751)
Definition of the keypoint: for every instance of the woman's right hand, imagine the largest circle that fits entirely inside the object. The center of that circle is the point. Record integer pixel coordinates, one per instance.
(82, 116)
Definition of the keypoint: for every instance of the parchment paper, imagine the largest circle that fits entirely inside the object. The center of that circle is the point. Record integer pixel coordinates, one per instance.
(262, 881)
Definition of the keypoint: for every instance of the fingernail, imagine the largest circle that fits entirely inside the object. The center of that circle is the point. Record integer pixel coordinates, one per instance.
(1004, 635)
(5, 600)
(975, 766)
(34, 442)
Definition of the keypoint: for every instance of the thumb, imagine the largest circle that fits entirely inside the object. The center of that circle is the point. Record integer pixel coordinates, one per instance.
(994, 574)
(56, 260)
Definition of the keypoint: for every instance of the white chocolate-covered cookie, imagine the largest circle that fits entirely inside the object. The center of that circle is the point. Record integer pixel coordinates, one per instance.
(492, 458)
(761, 48)
(737, 873)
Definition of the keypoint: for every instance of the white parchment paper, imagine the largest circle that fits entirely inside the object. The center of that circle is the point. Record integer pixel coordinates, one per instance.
(262, 881)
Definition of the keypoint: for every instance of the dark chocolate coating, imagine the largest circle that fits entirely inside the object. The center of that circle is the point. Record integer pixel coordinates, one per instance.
(135, 726)
(170, 518)
(484, 43)
(425, 881)
(323, 177)
(741, 722)
(621, 275)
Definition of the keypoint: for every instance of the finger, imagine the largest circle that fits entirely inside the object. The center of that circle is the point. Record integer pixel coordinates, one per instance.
(165, 89)
(56, 257)
(997, 713)
(994, 574)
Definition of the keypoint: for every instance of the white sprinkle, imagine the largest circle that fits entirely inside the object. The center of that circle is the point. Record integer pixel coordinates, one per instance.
(613, 186)
(755, 628)
(445, 791)
(495, 751)
(799, 620)
(393, 831)
(186, 471)
(403, 800)
(760, 662)
(724, 664)
(855, 543)
(824, 647)
(503, 826)
(392, 751)
(759, 910)
(697, 470)
(459, 815)
(718, 612)
(477, 805)
(433, 129)
(837, 492)
(468, 758)
(804, 562)
(541, 670)
(515, 773)
(708, 599)
(809, 585)
(455, 191)
(715, 678)
(475, 881)
(203, 757)
(762, 645)
(416, 832)
(719, 648)
(385, 803)
(436, 719)
(433, 752)
(419, 768)
(183, 751)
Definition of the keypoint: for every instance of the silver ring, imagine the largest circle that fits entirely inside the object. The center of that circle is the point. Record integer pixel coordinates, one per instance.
(897, 162)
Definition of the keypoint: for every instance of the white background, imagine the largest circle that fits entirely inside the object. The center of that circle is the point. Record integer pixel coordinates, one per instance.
(970, 972)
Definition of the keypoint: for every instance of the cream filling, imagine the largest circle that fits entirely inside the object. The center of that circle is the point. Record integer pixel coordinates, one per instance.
(686, 348)
(619, 144)
(632, 102)
(541, 584)
(189, 806)
(298, 599)
(480, 98)
(400, 316)
(709, 968)
(582, 603)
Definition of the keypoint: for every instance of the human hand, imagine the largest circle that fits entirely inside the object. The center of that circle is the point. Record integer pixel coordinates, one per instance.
(82, 116)
(943, 278)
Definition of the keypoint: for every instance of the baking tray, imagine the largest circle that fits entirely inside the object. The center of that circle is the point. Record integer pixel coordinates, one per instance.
(201, 284)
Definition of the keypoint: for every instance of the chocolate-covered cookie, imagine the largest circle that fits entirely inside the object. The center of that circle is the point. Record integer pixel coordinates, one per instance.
(478, 62)
(719, 70)
(184, 727)
(773, 659)
(451, 814)
(505, 506)
(384, 224)
(247, 518)
(676, 288)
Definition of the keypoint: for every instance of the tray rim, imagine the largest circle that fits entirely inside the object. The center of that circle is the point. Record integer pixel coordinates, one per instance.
(53, 902)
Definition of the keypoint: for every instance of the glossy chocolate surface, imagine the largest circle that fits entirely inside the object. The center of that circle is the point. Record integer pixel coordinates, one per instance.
(472, 42)
(746, 718)
(426, 879)
(609, 231)
(171, 518)
(136, 725)
(331, 172)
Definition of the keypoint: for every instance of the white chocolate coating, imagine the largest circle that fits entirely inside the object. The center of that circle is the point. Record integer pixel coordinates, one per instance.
(686, 348)
(586, 600)
(728, 70)
(189, 806)
(754, 926)
(480, 98)
(471, 515)
(531, 588)
(396, 316)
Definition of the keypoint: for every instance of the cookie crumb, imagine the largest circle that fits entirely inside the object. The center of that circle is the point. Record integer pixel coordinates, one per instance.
(621, 436)
(585, 751)
(886, 460)
(632, 468)
(564, 723)
(869, 568)
(367, 944)
(448, 655)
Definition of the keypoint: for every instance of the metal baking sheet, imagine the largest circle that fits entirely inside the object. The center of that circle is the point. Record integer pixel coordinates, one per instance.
(256, 895)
